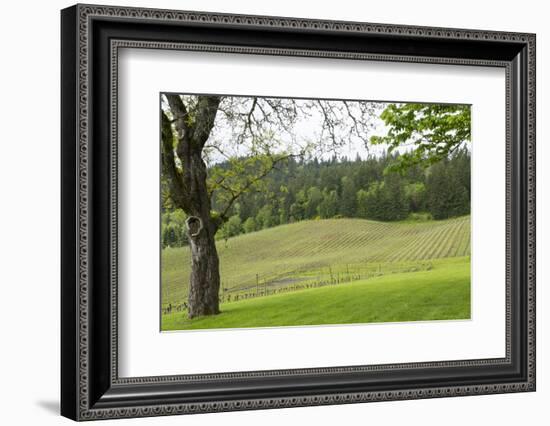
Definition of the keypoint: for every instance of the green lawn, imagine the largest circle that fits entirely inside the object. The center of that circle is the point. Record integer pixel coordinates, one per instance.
(441, 293)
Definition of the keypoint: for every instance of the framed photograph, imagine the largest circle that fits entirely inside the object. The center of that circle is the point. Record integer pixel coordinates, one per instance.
(263, 212)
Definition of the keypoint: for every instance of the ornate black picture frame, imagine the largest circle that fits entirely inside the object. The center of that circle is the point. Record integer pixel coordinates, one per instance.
(91, 388)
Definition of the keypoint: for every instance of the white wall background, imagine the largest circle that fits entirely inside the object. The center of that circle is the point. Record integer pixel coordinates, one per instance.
(29, 214)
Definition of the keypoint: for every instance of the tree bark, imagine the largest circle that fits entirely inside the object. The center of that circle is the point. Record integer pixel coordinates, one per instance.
(204, 280)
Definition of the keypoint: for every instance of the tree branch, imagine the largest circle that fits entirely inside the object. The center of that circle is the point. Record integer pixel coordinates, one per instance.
(248, 185)
(205, 117)
(178, 189)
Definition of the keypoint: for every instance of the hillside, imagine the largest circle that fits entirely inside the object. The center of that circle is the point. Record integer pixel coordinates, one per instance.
(313, 253)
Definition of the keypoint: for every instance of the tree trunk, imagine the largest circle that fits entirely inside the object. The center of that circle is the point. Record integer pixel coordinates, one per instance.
(190, 192)
(204, 281)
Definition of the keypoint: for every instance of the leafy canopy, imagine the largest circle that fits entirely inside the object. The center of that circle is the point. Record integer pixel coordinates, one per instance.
(433, 131)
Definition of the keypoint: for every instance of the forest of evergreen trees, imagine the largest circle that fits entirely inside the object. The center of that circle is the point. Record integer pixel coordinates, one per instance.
(335, 188)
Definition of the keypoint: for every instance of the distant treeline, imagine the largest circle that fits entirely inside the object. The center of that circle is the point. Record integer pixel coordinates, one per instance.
(335, 188)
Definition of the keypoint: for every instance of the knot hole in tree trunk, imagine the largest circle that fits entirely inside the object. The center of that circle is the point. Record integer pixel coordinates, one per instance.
(194, 226)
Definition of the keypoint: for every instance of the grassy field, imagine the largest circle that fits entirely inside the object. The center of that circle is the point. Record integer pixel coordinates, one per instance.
(439, 294)
(366, 271)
